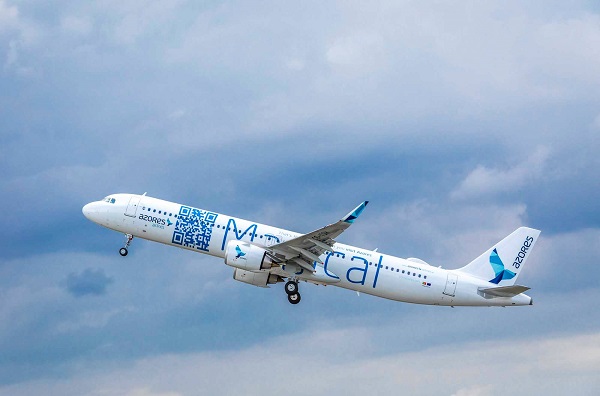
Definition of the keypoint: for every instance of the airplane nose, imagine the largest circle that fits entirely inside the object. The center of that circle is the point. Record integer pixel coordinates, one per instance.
(87, 210)
(92, 211)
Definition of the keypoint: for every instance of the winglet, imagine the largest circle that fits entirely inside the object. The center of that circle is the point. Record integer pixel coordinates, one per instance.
(350, 217)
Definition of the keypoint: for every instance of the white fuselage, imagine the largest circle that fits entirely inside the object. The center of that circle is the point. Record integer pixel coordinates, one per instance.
(349, 267)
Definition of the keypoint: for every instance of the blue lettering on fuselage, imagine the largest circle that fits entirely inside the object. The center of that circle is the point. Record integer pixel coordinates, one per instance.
(238, 236)
(329, 274)
(377, 272)
(152, 219)
(362, 269)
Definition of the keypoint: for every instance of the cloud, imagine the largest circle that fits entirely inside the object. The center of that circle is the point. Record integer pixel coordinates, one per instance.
(78, 26)
(549, 366)
(362, 51)
(89, 282)
(477, 390)
(149, 392)
(9, 16)
(486, 182)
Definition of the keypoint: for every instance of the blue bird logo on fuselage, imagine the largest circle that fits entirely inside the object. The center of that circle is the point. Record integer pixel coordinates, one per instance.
(239, 252)
(498, 266)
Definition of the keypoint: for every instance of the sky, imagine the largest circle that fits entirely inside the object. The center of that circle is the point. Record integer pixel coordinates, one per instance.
(458, 121)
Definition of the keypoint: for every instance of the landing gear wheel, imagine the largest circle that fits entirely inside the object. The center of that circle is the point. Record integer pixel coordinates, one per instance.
(294, 298)
(291, 287)
(123, 251)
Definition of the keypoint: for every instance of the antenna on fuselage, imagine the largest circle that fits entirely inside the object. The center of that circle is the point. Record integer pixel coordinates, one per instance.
(144, 194)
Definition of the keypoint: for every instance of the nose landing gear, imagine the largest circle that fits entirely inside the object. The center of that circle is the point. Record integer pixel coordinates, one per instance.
(123, 251)
(291, 289)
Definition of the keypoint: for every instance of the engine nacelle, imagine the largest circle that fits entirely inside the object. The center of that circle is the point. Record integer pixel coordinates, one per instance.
(246, 256)
(261, 279)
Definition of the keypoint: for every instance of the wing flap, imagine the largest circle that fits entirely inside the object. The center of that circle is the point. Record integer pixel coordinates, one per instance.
(308, 247)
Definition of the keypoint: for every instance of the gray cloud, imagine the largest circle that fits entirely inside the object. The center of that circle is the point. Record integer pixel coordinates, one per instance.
(89, 282)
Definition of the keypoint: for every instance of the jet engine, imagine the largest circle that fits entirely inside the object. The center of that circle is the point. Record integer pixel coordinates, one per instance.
(261, 279)
(246, 256)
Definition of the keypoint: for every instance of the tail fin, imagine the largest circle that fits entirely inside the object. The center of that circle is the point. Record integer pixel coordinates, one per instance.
(502, 263)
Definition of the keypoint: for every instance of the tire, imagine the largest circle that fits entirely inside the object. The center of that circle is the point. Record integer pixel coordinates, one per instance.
(294, 298)
(123, 252)
(291, 287)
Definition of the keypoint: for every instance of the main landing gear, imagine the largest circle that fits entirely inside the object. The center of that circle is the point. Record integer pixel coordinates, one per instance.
(123, 251)
(291, 288)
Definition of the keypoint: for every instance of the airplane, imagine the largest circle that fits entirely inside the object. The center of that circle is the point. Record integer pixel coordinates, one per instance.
(262, 255)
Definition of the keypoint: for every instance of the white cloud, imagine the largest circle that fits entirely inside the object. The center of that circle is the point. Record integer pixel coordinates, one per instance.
(148, 392)
(21, 33)
(9, 16)
(448, 235)
(332, 365)
(573, 252)
(361, 51)
(477, 390)
(12, 55)
(485, 182)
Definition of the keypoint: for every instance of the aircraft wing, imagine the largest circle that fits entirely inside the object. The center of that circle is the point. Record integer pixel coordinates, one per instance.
(307, 248)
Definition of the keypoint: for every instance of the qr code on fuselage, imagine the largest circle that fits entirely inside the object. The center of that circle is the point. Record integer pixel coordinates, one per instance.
(194, 228)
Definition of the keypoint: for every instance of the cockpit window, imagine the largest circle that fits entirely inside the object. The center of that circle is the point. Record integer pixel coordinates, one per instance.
(109, 200)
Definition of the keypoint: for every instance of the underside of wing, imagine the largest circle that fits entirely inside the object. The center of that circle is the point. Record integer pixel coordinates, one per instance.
(505, 291)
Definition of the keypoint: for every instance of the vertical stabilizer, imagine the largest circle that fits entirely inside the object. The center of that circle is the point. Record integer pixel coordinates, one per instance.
(502, 263)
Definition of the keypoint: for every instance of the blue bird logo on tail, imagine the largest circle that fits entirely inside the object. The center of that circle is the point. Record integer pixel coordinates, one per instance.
(498, 266)
(239, 252)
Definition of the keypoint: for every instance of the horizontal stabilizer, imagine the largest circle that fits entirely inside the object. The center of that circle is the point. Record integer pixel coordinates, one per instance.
(505, 291)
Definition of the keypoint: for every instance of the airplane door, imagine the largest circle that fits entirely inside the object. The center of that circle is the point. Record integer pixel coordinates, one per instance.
(451, 285)
(132, 206)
